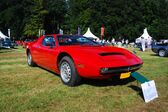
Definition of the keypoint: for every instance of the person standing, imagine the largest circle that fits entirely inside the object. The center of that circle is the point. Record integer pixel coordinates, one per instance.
(149, 42)
(126, 42)
(113, 41)
(122, 41)
(143, 43)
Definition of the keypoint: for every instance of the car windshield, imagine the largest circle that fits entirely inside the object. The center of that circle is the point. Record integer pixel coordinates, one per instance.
(75, 40)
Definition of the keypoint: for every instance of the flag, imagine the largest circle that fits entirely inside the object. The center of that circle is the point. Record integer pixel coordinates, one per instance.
(79, 30)
(9, 33)
(102, 31)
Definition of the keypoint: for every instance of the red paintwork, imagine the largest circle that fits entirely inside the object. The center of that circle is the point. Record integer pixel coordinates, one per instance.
(86, 58)
(19, 42)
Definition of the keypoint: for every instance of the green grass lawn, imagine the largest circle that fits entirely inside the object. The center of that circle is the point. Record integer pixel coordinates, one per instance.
(23, 88)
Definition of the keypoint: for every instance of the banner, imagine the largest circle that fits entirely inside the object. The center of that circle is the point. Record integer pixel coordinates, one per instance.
(102, 31)
(9, 33)
(79, 30)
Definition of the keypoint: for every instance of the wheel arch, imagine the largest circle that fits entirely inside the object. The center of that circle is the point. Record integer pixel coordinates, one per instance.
(61, 55)
(161, 49)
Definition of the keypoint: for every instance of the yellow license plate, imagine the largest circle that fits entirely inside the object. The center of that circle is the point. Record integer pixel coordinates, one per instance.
(125, 75)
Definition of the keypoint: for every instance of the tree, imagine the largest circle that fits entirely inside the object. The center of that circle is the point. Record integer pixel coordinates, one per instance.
(121, 18)
(11, 16)
(35, 20)
(55, 18)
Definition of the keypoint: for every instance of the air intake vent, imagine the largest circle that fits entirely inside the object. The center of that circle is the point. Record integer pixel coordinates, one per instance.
(112, 53)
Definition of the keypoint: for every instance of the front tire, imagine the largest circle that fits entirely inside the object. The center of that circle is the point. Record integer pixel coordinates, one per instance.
(162, 53)
(68, 72)
(30, 60)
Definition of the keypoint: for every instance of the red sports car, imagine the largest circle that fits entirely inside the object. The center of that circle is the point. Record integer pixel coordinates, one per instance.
(25, 43)
(74, 57)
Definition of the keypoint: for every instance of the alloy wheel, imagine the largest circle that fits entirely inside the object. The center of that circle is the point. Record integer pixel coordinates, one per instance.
(65, 72)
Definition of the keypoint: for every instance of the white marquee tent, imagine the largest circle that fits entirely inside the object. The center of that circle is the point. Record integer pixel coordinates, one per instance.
(3, 36)
(89, 34)
(145, 35)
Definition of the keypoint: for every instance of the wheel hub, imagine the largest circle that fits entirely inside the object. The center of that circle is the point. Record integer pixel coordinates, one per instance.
(161, 53)
(65, 72)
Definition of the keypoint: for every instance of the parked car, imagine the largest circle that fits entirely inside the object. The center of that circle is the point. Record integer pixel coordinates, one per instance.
(160, 48)
(75, 57)
(6, 43)
(24, 43)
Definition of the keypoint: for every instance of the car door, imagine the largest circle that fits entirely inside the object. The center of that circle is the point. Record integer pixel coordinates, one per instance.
(48, 53)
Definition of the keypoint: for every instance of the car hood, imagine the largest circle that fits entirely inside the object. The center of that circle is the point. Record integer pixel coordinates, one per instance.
(107, 54)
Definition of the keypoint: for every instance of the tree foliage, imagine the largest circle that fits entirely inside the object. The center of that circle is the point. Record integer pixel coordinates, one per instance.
(26, 17)
(56, 17)
(121, 18)
(35, 19)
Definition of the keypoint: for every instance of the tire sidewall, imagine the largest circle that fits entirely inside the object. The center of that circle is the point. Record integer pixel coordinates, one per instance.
(30, 60)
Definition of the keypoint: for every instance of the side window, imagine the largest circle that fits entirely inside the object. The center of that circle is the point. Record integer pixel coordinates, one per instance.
(48, 41)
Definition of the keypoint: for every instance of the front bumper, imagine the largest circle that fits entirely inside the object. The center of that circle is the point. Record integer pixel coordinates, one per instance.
(116, 70)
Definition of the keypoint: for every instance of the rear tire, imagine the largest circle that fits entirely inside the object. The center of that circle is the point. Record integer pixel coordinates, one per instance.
(30, 60)
(68, 72)
(162, 53)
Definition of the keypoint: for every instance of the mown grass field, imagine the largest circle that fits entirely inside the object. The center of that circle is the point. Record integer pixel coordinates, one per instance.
(23, 88)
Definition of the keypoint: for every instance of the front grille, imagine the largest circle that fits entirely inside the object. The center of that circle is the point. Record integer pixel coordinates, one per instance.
(122, 69)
